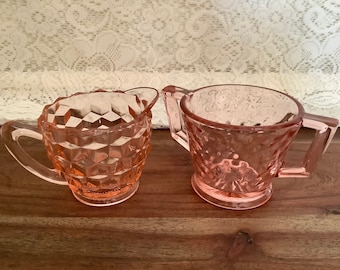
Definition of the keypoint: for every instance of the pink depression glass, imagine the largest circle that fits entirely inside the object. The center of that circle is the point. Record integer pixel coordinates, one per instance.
(98, 143)
(238, 136)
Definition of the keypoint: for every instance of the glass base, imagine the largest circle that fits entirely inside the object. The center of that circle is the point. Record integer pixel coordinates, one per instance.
(107, 202)
(222, 199)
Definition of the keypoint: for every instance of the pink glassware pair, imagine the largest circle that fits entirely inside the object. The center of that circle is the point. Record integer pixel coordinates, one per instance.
(237, 135)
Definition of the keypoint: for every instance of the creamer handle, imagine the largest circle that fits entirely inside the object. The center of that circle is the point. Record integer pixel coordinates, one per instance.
(10, 134)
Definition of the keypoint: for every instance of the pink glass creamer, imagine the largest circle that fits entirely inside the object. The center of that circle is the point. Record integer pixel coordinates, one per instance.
(98, 143)
(238, 136)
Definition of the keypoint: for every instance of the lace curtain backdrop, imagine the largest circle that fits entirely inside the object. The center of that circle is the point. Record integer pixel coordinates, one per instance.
(52, 48)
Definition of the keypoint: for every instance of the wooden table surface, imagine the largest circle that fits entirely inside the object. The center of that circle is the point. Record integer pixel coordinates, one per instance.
(165, 225)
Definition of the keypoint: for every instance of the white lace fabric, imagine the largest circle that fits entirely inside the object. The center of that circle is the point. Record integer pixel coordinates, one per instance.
(52, 48)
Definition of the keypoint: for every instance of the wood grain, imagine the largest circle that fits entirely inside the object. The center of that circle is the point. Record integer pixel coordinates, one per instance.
(165, 225)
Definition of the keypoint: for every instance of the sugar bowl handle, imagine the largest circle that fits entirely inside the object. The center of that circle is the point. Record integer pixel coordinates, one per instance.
(172, 96)
(325, 128)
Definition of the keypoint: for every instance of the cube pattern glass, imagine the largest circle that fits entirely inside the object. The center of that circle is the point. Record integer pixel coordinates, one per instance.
(99, 151)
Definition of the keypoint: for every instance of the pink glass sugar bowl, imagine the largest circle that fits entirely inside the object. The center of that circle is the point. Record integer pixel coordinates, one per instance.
(238, 137)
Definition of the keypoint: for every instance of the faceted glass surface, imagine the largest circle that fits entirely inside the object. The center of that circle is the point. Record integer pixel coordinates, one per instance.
(235, 160)
(234, 169)
(237, 135)
(98, 142)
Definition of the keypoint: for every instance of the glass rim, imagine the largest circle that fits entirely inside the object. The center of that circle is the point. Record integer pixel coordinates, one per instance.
(43, 122)
(296, 119)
